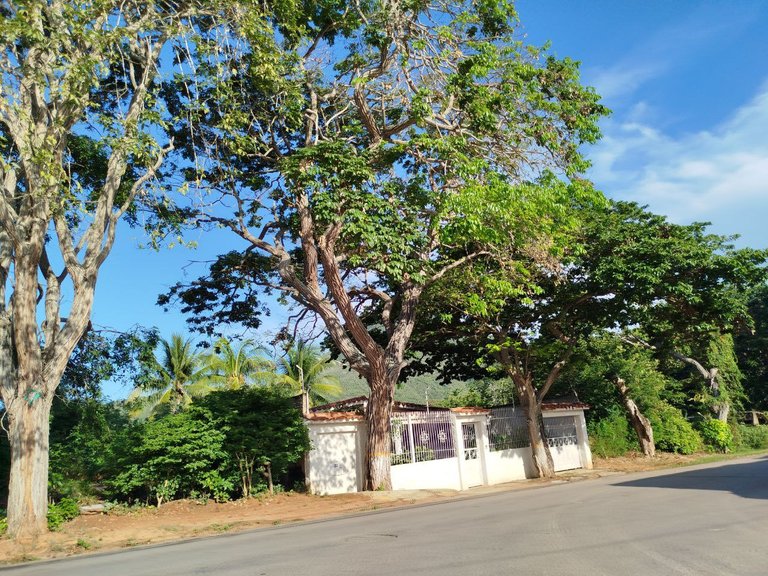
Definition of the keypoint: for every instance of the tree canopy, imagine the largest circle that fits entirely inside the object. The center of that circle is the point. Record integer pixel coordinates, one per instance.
(386, 146)
(625, 267)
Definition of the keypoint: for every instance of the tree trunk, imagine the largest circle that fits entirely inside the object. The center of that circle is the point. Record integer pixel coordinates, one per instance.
(28, 426)
(637, 419)
(723, 410)
(543, 465)
(377, 415)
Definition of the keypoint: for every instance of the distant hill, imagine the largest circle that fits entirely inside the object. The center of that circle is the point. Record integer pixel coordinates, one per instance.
(418, 389)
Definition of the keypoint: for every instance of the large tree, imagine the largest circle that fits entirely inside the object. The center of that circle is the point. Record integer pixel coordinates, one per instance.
(625, 267)
(81, 140)
(752, 350)
(400, 142)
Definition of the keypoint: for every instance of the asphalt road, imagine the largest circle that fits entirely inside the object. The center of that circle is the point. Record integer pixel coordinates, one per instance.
(709, 519)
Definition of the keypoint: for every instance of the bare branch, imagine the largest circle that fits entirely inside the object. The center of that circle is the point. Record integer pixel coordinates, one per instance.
(455, 264)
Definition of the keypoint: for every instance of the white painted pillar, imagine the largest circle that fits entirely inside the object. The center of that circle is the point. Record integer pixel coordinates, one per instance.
(583, 438)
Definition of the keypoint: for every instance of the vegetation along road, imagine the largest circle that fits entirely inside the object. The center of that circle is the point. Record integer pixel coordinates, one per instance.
(708, 519)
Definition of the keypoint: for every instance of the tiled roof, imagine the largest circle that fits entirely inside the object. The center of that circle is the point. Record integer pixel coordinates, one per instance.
(333, 416)
(564, 406)
(470, 410)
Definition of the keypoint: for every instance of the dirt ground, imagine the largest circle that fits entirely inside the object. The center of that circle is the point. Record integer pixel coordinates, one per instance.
(122, 527)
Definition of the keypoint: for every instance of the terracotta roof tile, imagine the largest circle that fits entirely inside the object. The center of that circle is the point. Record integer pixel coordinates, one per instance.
(470, 410)
(333, 416)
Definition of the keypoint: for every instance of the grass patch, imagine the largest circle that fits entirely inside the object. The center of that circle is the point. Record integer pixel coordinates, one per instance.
(83, 544)
(709, 458)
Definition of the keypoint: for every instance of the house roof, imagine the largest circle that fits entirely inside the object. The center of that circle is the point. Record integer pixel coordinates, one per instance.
(358, 403)
(564, 405)
(356, 406)
(470, 410)
(333, 416)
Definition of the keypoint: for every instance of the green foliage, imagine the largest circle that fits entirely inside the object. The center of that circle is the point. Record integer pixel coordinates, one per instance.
(716, 434)
(671, 431)
(305, 368)
(484, 393)
(170, 383)
(216, 448)
(232, 368)
(605, 356)
(63, 511)
(753, 437)
(3, 522)
(81, 432)
(171, 457)
(752, 350)
(611, 435)
(261, 427)
(399, 188)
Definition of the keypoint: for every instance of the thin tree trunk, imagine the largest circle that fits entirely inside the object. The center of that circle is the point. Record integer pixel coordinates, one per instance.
(637, 419)
(378, 414)
(721, 409)
(28, 426)
(543, 465)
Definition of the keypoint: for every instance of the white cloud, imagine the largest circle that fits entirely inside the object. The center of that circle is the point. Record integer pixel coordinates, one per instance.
(718, 175)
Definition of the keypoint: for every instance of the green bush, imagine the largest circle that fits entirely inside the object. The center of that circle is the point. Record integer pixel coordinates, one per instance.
(754, 437)
(671, 431)
(3, 522)
(263, 431)
(172, 458)
(63, 511)
(716, 434)
(611, 436)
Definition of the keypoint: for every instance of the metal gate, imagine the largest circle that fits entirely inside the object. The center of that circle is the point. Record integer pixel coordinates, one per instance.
(563, 442)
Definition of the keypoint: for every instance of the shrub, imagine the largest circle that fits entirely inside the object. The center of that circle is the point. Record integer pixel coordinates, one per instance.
(754, 437)
(172, 458)
(671, 431)
(3, 522)
(611, 436)
(716, 434)
(63, 511)
(264, 434)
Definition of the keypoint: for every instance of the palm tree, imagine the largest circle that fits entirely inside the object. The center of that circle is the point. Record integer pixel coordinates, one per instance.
(173, 381)
(302, 371)
(233, 369)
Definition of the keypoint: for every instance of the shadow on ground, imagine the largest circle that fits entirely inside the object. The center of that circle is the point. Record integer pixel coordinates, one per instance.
(745, 479)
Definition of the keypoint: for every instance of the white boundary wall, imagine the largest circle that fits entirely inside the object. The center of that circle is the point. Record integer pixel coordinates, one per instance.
(334, 464)
(434, 474)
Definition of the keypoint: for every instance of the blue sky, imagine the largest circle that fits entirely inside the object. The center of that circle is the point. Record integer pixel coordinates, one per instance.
(688, 86)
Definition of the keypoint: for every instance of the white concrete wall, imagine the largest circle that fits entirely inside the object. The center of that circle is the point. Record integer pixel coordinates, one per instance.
(334, 464)
(443, 473)
(509, 465)
(580, 453)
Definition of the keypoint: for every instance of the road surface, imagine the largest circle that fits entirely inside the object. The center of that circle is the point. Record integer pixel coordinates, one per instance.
(710, 519)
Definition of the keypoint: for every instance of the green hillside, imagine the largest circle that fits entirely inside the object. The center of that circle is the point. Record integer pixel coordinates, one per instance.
(418, 389)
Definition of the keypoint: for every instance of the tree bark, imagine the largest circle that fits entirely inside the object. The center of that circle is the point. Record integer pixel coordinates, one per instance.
(28, 426)
(721, 409)
(543, 465)
(378, 419)
(637, 419)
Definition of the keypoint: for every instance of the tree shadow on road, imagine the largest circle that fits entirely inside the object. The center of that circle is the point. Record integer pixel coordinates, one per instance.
(745, 479)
